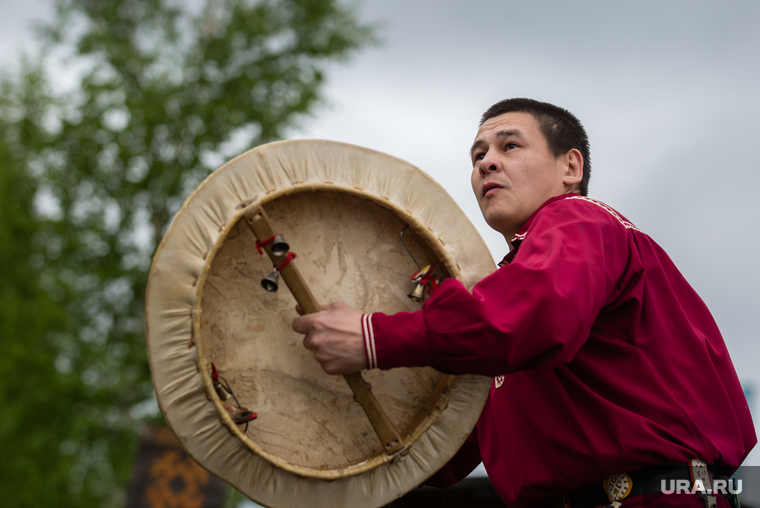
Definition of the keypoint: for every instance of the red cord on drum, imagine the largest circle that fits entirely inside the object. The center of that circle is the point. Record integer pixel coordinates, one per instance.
(239, 414)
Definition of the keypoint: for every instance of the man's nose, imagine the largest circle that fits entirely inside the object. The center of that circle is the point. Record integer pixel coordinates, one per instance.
(489, 164)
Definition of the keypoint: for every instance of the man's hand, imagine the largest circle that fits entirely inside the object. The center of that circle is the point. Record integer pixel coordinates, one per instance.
(335, 337)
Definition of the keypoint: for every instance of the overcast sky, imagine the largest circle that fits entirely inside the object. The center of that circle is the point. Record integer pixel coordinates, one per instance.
(668, 92)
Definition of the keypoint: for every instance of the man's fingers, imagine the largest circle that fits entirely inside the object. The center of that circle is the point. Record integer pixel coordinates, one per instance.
(303, 324)
(334, 335)
(335, 306)
(328, 307)
(308, 343)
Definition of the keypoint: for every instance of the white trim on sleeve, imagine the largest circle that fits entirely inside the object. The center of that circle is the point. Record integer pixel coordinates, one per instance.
(369, 341)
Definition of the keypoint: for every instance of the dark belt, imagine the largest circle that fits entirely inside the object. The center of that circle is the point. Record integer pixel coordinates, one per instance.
(643, 481)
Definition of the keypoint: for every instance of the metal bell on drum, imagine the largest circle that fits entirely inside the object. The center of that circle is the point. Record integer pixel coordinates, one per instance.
(418, 293)
(279, 246)
(270, 282)
(221, 391)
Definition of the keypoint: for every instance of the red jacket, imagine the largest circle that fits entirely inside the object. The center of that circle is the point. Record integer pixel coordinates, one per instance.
(604, 357)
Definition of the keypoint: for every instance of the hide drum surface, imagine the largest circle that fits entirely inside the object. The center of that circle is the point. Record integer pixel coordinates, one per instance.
(341, 209)
(349, 250)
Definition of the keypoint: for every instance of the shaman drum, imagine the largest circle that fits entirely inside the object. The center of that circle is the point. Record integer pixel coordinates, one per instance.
(342, 209)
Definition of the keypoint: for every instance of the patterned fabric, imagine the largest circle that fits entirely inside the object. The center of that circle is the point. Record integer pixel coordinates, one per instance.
(700, 475)
(618, 486)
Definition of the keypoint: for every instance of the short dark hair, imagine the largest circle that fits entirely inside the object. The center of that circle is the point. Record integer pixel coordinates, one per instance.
(562, 130)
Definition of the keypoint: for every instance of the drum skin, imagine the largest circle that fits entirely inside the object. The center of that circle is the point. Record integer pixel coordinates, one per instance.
(341, 208)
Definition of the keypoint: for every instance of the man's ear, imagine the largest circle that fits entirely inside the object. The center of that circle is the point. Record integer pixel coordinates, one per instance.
(573, 162)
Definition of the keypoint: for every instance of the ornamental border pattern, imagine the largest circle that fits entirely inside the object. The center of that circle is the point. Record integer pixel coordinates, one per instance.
(625, 223)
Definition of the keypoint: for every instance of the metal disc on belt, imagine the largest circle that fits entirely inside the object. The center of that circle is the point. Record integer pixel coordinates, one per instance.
(360, 223)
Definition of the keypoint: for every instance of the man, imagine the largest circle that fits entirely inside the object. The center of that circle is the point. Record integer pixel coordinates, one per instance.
(605, 361)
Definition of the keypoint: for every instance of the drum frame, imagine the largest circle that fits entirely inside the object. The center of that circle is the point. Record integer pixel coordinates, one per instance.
(173, 315)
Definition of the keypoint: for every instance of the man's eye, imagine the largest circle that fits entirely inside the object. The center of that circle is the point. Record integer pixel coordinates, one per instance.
(478, 157)
(510, 146)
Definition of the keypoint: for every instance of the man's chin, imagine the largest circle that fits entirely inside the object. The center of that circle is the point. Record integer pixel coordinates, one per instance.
(499, 223)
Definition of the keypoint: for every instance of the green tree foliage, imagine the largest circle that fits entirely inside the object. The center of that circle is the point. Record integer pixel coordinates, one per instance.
(90, 178)
(35, 399)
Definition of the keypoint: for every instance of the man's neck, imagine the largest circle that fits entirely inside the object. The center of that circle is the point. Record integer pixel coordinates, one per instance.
(511, 234)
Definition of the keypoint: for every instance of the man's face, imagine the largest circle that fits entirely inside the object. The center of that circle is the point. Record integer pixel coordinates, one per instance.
(513, 171)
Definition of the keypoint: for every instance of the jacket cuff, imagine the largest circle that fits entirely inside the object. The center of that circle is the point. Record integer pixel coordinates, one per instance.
(398, 340)
(369, 341)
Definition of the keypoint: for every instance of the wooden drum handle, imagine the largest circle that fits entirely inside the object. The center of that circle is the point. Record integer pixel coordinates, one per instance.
(258, 221)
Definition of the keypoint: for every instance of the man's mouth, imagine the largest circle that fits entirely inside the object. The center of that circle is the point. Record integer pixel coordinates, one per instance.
(487, 187)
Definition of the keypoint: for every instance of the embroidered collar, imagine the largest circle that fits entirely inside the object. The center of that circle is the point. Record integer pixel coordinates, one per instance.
(523, 231)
